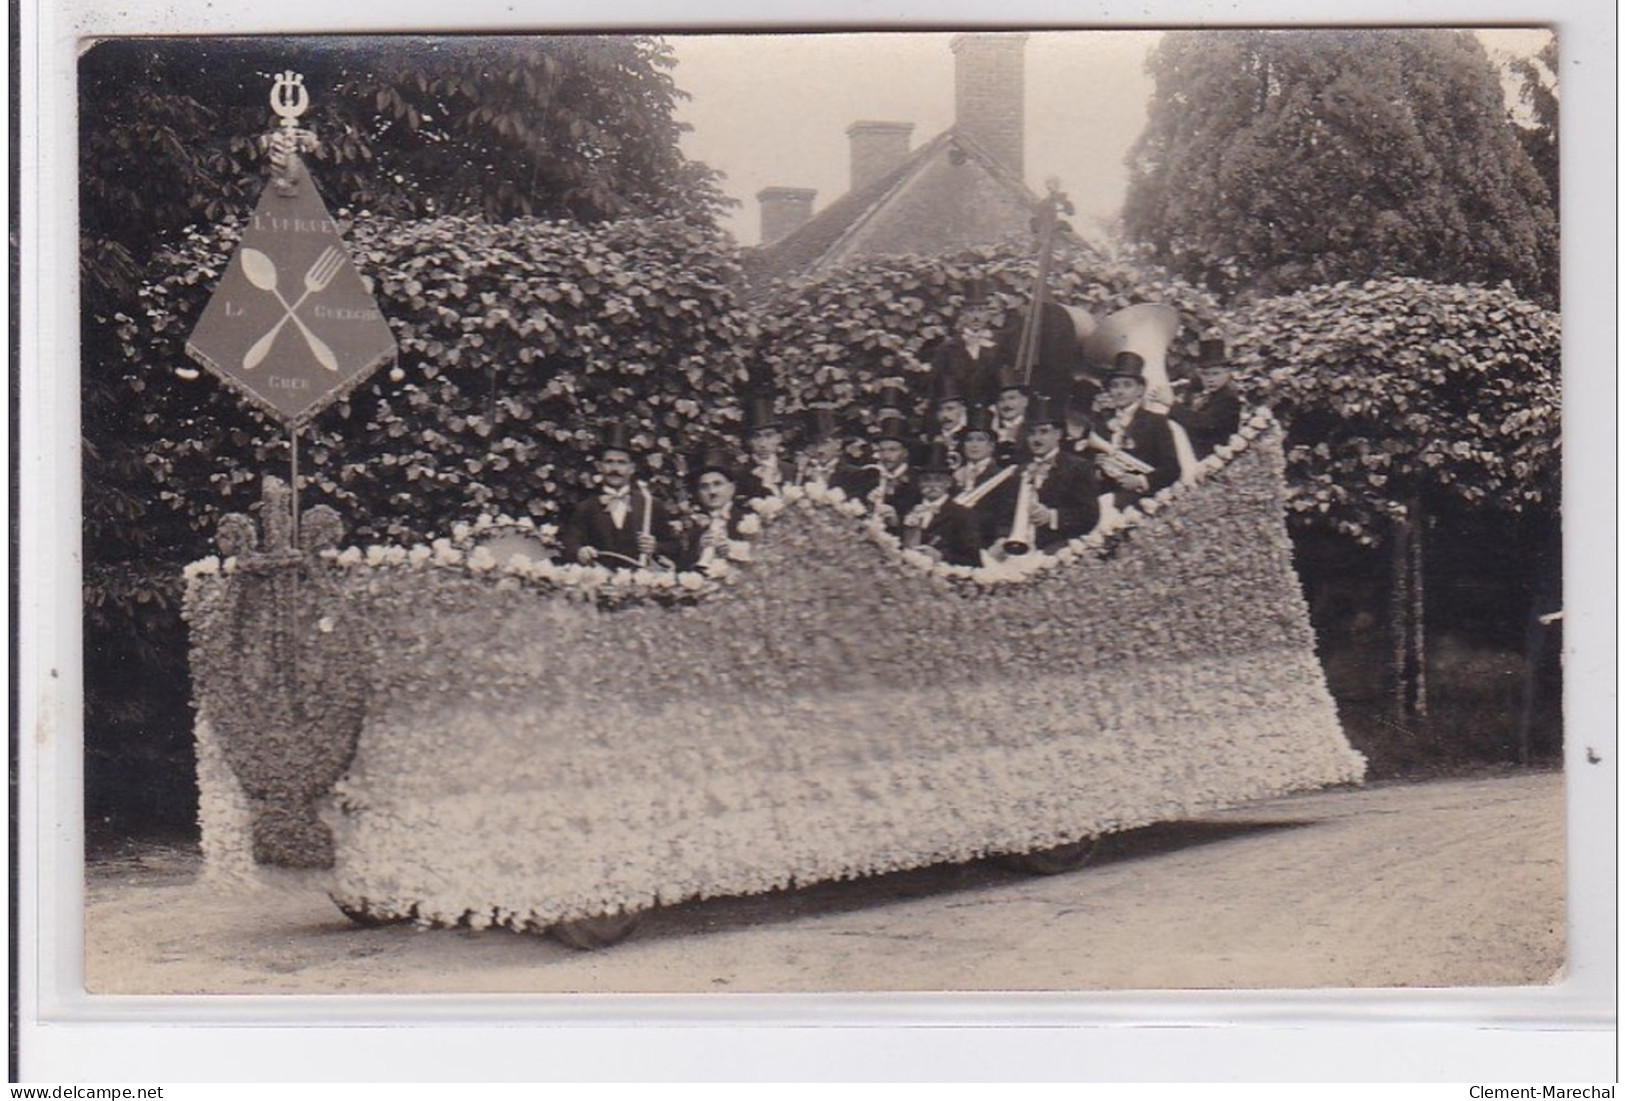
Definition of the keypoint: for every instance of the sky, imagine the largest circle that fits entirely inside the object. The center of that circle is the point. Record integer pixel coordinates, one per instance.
(772, 110)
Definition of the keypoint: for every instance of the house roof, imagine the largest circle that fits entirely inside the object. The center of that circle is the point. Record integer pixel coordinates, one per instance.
(821, 243)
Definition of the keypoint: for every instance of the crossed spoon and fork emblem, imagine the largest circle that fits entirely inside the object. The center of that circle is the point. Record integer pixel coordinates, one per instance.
(261, 271)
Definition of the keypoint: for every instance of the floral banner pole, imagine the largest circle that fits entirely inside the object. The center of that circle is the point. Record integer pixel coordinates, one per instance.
(291, 328)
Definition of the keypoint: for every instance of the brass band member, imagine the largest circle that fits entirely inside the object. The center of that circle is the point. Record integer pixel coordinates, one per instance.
(624, 525)
(1138, 455)
(822, 461)
(1010, 412)
(1211, 415)
(984, 483)
(767, 470)
(1059, 495)
(713, 533)
(951, 412)
(887, 484)
(939, 526)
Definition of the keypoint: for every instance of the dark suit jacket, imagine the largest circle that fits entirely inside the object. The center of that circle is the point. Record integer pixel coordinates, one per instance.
(1151, 440)
(995, 509)
(1073, 490)
(750, 484)
(699, 523)
(1209, 419)
(954, 531)
(590, 525)
(905, 493)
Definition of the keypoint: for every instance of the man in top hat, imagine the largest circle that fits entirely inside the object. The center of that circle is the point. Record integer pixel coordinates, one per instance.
(984, 482)
(1211, 415)
(822, 461)
(623, 525)
(951, 411)
(1138, 454)
(713, 533)
(940, 526)
(887, 484)
(1010, 410)
(1059, 495)
(767, 470)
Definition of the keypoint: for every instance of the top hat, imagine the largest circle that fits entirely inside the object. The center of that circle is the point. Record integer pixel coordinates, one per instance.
(948, 389)
(819, 424)
(936, 460)
(979, 419)
(1210, 353)
(1127, 365)
(1009, 379)
(893, 428)
(615, 437)
(759, 414)
(712, 458)
(1046, 410)
(892, 395)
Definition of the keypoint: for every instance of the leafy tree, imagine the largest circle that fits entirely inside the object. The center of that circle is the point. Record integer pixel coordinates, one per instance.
(1276, 160)
(1537, 92)
(1402, 396)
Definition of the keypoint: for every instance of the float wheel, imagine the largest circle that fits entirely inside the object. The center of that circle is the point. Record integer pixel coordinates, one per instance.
(365, 918)
(1056, 861)
(600, 931)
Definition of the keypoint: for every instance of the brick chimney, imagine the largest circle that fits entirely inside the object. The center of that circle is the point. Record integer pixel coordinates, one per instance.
(877, 148)
(784, 210)
(990, 94)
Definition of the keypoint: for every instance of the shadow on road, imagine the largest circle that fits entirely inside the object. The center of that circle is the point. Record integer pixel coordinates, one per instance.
(938, 881)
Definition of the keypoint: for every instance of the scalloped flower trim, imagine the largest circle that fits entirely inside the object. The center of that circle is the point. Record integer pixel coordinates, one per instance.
(463, 553)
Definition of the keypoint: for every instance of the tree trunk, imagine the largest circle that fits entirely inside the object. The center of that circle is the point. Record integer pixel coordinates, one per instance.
(1407, 614)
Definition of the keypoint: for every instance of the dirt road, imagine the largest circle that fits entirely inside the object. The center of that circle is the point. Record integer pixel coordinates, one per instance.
(1450, 883)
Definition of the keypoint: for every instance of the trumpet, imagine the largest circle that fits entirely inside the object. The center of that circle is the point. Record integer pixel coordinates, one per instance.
(1115, 463)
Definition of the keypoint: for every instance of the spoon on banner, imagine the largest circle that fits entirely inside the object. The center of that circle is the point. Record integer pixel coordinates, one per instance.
(261, 271)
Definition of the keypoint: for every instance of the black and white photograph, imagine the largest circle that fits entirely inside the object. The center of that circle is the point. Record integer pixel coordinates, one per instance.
(929, 511)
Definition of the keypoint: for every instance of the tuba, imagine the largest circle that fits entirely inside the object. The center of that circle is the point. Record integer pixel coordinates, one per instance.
(1148, 330)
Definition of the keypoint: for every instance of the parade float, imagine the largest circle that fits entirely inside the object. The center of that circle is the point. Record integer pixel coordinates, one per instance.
(467, 733)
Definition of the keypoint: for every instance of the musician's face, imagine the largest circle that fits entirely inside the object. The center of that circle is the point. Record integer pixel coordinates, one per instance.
(934, 486)
(950, 412)
(825, 450)
(715, 490)
(765, 443)
(891, 453)
(978, 446)
(1124, 392)
(1043, 438)
(1213, 377)
(1012, 404)
(615, 468)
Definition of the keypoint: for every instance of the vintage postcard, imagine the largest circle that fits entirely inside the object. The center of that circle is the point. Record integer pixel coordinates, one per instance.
(995, 511)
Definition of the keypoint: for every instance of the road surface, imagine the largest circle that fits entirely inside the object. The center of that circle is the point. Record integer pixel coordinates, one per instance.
(1446, 883)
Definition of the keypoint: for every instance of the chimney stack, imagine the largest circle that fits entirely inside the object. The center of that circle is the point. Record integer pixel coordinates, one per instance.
(784, 210)
(877, 148)
(990, 94)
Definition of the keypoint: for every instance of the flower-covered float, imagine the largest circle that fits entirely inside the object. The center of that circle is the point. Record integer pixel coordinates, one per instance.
(455, 736)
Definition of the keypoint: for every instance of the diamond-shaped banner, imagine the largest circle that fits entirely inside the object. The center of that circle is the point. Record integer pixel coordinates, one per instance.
(291, 324)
